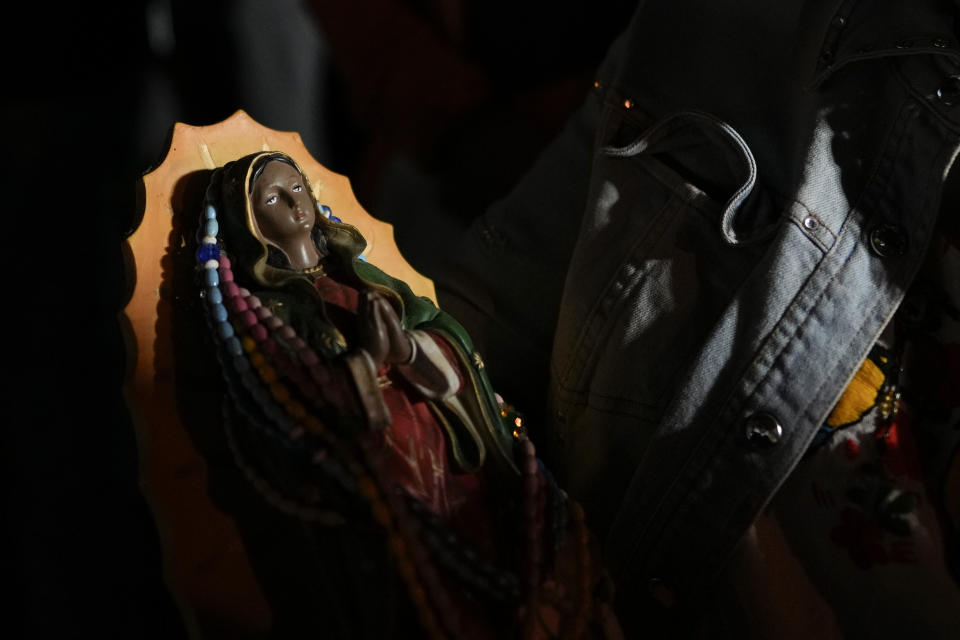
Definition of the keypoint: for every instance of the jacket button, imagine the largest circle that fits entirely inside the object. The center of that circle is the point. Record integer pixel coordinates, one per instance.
(662, 592)
(888, 240)
(949, 93)
(763, 430)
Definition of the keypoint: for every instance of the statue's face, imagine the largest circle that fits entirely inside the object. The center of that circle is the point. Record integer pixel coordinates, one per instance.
(282, 204)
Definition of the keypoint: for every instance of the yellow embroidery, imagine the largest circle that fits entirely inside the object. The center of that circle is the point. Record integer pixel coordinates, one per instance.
(859, 396)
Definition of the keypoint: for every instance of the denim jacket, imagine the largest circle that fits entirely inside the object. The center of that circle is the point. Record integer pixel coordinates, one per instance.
(707, 253)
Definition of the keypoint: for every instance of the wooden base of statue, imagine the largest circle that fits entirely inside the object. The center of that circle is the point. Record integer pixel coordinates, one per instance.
(206, 564)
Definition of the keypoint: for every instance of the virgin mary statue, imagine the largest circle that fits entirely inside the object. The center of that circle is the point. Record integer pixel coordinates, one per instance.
(362, 412)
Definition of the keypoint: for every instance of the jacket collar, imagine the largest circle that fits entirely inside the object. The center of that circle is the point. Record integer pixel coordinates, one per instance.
(868, 29)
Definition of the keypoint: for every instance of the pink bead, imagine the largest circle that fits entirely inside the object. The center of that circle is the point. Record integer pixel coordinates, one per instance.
(286, 332)
(237, 304)
(244, 292)
(258, 332)
(252, 301)
(230, 289)
(296, 433)
(248, 318)
(308, 357)
(530, 467)
(226, 275)
(297, 344)
(268, 346)
(224, 261)
(272, 322)
(262, 312)
(320, 374)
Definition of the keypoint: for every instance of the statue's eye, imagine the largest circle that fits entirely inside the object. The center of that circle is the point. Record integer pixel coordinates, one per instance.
(272, 200)
(297, 188)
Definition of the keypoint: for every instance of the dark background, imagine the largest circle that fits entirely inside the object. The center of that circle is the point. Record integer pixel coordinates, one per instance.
(439, 89)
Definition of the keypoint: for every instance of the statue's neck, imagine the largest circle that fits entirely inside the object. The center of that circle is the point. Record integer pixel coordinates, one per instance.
(303, 255)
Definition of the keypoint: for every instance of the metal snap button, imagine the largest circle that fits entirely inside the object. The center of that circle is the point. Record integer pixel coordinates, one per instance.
(949, 93)
(940, 43)
(763, 430)
(662, 592)
(810, 223)
(903, 44)
(888, 240)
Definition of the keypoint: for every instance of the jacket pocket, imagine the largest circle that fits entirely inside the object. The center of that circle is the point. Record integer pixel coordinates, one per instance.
(674, 222)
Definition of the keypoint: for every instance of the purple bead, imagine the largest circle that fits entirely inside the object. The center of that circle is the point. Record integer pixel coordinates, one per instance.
(249, 318)
(262, 312)
(230, 290)
(238, 304)
(224, 261)
(226, 275)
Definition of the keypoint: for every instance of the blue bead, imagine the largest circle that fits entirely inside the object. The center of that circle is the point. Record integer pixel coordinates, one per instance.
(278, 417)
(210, 277)
(241, 364)
(209, 212)
(208, 252)
(225, 330)
(250, 382)
(219, 313)
(214, 296)
(211, 228)
(233, 346)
